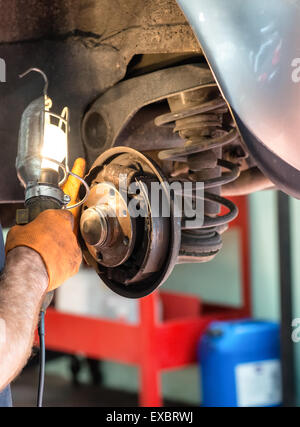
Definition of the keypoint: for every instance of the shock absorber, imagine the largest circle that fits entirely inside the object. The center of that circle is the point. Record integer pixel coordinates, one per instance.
(202, 119)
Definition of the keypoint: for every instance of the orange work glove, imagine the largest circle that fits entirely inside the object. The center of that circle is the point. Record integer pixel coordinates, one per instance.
(51, 235)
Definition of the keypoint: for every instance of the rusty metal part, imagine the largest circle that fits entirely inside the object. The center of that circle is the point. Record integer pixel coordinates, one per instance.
(141, 134)
(101, 126)
(199, 247)
(156, 240)
(250, 181)
(198, 112)
(198, 146)
(198, 117)
(106, 225)
(94, 226)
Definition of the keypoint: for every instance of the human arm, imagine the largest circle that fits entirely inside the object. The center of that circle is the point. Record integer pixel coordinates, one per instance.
(40, 257)
(23, 285)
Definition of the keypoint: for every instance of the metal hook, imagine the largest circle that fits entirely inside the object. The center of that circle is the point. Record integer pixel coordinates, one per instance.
(42, 73)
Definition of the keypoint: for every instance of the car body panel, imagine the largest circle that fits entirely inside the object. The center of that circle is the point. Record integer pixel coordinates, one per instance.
(253, 49)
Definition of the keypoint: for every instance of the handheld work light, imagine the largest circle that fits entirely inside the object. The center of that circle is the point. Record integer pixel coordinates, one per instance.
(43, 156)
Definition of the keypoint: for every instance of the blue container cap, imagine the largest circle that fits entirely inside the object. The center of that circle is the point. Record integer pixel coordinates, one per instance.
(245, 333)
(217, 328)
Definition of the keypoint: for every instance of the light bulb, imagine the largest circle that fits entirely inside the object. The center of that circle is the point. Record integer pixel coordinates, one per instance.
(54, 147)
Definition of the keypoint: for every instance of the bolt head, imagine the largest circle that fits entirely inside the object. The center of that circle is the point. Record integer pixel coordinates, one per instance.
(67, 199)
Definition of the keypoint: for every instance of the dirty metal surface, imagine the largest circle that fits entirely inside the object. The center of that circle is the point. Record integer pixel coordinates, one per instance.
(101, 127)
(130, 26)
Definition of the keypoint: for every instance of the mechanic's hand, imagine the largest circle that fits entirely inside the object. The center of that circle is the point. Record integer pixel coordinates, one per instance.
(51, 235)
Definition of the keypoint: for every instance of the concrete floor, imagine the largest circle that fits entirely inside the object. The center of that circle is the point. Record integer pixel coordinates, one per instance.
(60, 392)
(64, 393)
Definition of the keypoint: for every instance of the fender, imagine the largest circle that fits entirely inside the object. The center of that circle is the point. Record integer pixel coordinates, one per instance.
(253, 50)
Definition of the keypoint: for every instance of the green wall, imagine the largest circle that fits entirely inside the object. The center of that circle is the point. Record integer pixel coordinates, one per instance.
(264, 255)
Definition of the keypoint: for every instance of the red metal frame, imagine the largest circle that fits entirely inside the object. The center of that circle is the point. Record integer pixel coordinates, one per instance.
(152, 345)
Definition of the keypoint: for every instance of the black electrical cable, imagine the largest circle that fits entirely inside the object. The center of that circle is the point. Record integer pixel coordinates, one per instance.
(41, 331)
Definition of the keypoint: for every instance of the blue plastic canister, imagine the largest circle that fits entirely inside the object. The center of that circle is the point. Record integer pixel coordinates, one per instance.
(240, 364)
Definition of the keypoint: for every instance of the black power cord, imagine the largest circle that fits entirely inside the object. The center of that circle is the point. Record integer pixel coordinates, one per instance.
(41, 332)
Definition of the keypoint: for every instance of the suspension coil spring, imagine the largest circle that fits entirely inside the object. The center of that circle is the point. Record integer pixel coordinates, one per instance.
(199, 116)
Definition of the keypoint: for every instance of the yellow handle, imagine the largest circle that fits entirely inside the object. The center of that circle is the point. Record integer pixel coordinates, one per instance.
(72, 185)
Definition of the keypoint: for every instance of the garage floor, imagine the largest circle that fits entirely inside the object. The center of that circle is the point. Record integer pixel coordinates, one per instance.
(61, 392)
